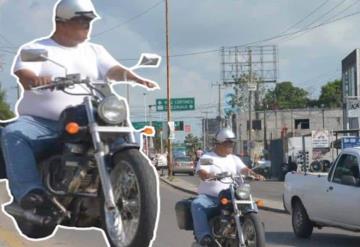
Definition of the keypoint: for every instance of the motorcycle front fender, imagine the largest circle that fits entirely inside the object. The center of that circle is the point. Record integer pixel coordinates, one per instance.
(121, 144)
(253, 209)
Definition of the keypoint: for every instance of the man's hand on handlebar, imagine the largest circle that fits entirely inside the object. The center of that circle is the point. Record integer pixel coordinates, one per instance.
(259, 177)
(40, 81)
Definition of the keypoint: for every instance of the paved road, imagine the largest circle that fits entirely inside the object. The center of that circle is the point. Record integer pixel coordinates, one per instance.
(277, 226)
(9, 236)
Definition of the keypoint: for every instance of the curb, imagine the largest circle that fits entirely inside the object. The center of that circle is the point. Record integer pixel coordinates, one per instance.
(192, 192)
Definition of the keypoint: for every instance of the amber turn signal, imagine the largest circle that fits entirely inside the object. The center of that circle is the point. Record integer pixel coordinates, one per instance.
(260, 203)
(224, 201)
(148, 131)
(72, 128)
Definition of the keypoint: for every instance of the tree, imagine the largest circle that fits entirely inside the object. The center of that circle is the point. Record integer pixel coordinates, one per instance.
(286, 96)
(331, 94)
(192, 143)
(5, 112)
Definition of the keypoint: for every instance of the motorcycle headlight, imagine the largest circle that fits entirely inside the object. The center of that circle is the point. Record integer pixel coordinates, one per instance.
(243, 192)
(112, 110)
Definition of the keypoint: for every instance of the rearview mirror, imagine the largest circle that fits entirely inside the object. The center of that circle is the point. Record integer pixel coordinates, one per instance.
(206, 162)
(34, 55)
(148, 60)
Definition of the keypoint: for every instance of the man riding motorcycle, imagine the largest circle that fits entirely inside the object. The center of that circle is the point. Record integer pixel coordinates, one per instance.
(220, 160)
(35, 133)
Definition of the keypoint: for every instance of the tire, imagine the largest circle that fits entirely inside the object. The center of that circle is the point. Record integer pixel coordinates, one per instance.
(34, 231)
(302, 226)
(253, 230)
(133, 180)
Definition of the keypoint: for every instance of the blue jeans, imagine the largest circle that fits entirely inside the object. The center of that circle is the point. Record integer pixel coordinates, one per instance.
(23, 143)
(203, 208)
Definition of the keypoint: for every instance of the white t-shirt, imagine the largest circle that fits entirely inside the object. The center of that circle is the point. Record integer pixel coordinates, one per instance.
(88, 59)
(217, 164)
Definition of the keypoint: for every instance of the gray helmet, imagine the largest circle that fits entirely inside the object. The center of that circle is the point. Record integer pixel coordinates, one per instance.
(68, 9)
(224, 135)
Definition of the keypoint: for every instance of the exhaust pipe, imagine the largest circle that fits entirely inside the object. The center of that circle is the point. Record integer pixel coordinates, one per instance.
(27, 215)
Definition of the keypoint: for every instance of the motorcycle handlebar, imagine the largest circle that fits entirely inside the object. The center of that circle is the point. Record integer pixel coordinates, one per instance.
(61, 83)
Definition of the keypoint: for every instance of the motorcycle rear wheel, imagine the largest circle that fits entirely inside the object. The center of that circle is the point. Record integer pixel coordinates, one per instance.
(135, 192)
(253, 231)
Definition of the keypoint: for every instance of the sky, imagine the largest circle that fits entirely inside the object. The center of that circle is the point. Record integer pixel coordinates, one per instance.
(197, 30)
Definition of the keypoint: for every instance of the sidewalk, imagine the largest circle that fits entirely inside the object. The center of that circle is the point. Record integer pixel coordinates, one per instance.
(180, 184)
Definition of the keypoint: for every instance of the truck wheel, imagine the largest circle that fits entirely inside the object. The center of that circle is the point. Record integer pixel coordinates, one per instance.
(301, 223)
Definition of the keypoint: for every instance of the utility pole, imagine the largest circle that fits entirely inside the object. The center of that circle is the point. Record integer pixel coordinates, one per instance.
(218, 84)
(168, 96)
(250, 96)
(205, 129)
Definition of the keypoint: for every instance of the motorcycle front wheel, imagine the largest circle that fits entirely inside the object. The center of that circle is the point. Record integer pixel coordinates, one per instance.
(135, 192)
(253, 231)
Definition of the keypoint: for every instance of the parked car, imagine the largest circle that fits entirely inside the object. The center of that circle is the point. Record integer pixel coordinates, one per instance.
(325, 199)
(263, 167)
(183, 164)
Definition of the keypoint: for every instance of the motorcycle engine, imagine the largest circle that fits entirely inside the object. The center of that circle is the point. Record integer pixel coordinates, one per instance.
(224, 227)
(71, 172)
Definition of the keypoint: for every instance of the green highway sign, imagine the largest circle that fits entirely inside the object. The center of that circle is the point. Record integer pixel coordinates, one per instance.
(158, 125)
(177, 104)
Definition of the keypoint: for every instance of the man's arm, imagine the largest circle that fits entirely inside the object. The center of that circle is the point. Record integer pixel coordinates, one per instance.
(119, 73)
(248, 172)
(29, 79)
(205, 175)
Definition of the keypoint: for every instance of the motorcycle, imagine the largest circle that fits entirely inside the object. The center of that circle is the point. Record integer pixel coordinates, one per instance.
(99, 178)
(237, 224)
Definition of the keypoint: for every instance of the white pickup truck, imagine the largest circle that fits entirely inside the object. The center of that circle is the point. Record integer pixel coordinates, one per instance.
(327, 199)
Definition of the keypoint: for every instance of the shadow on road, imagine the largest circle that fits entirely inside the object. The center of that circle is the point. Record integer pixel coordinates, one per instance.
(317, 239)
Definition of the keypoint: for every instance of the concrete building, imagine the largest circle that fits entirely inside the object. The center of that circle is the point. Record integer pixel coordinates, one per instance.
(273, 124)
(350, 67)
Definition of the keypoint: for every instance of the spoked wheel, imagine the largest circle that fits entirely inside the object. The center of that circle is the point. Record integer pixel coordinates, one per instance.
(134, 183)
(253, 231)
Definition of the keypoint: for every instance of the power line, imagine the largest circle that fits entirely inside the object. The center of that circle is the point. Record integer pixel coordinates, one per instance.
(325, 14)
(301, 32)
(307, 16)
(265, 39)
(344, 10)
(129, 20)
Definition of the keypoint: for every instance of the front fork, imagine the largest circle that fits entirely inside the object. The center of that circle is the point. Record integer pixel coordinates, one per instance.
(237, 214)
(100, 158)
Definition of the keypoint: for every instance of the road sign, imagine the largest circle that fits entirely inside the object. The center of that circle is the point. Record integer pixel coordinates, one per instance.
(353, 106)
(158, 125)
(349, 142)
(252, 86)
(177, 104)
(320, 139)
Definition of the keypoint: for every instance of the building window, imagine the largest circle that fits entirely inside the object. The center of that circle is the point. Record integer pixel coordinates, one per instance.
(302, 124)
